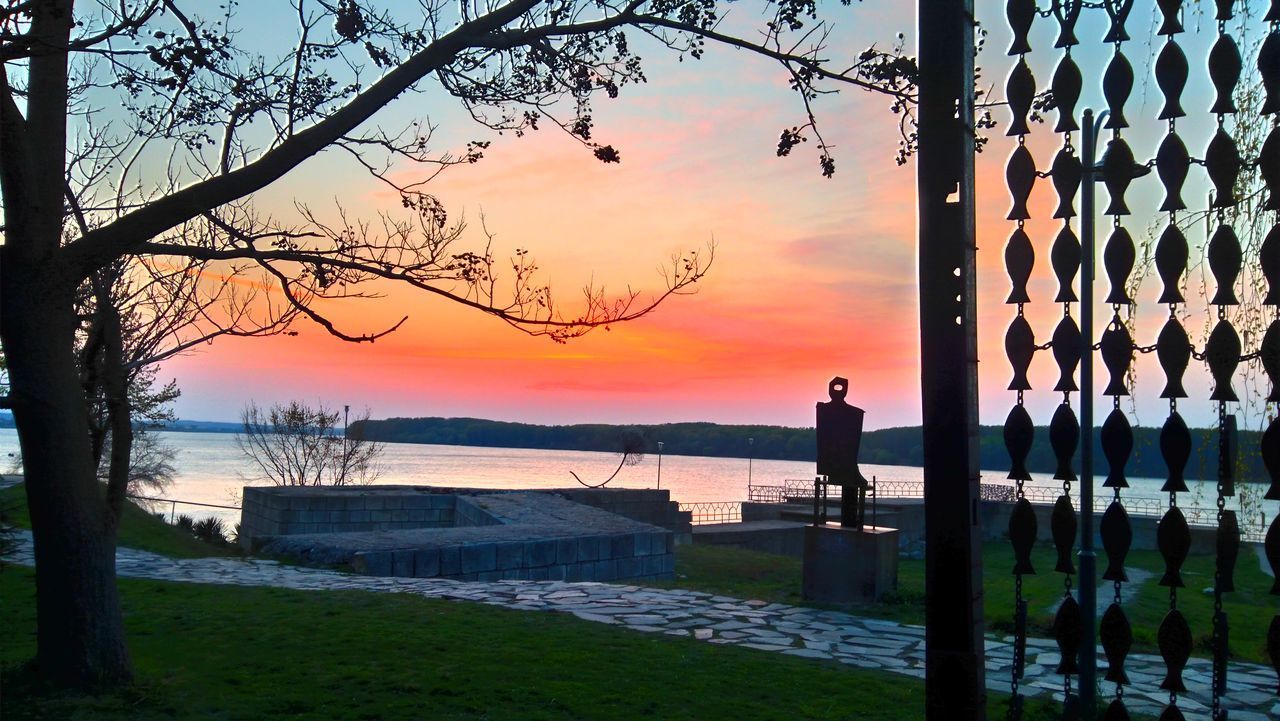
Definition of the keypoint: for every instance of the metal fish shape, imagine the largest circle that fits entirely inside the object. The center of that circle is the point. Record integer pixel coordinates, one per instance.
(1068, 632)
(1117, 537)
(1117, 638)
(1022, 535)
(1062, 524)
(1173, 538)
(1228, 543)
(1174, 640)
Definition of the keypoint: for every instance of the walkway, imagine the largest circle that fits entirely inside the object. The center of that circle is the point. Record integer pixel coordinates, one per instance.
(773, 627)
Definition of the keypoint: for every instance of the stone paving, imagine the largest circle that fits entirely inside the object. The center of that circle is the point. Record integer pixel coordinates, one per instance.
(772, 627)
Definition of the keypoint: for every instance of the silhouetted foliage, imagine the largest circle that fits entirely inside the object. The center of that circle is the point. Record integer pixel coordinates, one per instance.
(297, 445)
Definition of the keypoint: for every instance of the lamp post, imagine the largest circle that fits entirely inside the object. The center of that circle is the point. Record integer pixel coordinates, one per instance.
(346, 412)
(1092, 170)
(659, 465)
(751, 452)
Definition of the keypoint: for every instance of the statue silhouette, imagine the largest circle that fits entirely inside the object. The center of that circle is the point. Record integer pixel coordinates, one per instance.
(839, 430)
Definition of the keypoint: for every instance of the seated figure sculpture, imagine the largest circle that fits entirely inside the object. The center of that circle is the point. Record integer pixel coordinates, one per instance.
(839, 431)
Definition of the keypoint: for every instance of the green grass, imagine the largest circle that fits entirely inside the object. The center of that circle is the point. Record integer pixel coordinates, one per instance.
(205, 652)
(1250, 608)
(139, 529)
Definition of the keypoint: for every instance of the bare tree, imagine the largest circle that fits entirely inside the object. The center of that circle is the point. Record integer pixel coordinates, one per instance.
(298, 445)
(207, 123)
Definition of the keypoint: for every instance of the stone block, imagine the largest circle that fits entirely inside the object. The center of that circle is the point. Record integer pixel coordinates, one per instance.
(353, 502)
(297, 504)
(540, 573)
(622, 546)
(450, 561)
(670, 542)
(847, 565)
(426, 562)
(643, 546)
(418, 503)
(323, 528)
(400, 516)
(510, 555)
(628, 567)
(360, 516)
(539, 553)
(581, 572)
(439, 500)
(375, 503)
(604, 546)
(490, 576)
(651, 565)
(556, 572)
(479, 557)
(588, 549)
(338, 516)
(605, 570)
(402, 563)
(417, 516)
(668, 564)
(373, 563)
(566, 550)
(380, 515)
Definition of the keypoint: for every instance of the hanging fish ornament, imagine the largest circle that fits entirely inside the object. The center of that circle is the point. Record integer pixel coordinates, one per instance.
(1117, 537)
(1117, 445)
(1062, 526)
(1019, 258)
(1175, 448)
(1117, 638)
(1173, 538)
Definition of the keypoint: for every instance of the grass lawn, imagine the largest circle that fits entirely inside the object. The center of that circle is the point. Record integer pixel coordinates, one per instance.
(1250, 607)
(139, 528)
(206, 652)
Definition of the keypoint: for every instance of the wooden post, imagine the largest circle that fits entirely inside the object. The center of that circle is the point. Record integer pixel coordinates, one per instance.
(954, 656)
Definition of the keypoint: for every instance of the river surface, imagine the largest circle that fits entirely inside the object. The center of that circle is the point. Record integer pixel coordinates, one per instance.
(212, 469)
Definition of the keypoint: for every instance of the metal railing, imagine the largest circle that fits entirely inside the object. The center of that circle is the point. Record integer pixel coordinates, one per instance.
(704, 512)
(174, 503)
(801, 491)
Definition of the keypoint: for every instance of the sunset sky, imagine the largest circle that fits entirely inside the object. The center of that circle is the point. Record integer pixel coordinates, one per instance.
(813, 277)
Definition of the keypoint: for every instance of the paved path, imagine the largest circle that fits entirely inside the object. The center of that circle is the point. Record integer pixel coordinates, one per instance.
(771, 627)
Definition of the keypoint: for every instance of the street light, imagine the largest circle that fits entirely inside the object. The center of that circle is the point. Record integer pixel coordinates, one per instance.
(346, 411)
(751, 448)
(659, 465)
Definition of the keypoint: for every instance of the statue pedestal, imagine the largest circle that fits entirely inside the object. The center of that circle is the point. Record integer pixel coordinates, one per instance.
(847, 565)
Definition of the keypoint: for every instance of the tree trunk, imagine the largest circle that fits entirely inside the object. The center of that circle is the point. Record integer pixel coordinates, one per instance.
(80, 629)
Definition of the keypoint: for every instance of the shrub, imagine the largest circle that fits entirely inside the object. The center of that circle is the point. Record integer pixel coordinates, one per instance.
(186, 522)
(210, 530)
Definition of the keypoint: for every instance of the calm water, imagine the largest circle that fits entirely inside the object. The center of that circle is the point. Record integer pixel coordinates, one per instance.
(212, 469)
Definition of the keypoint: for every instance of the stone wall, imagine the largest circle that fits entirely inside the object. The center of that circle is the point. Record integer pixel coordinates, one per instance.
(584, 558)
(269, 512)
(654, 507)
(468, 534)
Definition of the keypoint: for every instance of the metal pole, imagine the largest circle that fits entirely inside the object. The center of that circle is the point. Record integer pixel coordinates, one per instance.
(751, 452)
(343, 478)
(955, 674)
(660, 465)
(1088, 578)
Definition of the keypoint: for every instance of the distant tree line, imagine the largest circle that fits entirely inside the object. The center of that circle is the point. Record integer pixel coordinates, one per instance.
(887, 446)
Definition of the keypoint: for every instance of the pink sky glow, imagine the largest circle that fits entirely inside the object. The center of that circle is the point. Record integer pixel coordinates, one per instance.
(812, 278)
